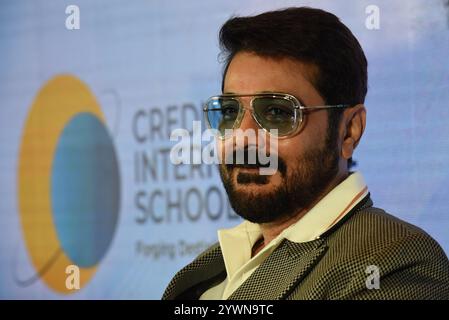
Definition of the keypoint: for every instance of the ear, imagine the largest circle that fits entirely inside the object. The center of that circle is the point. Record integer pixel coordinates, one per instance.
(354, 122)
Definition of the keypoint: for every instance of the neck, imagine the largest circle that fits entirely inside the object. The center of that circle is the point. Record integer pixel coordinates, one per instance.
(271, 230)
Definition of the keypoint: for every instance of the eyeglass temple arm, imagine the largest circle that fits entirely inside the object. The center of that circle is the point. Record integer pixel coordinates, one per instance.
(325, 107)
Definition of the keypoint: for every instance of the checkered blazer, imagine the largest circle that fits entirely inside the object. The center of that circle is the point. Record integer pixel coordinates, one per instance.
(411, 264)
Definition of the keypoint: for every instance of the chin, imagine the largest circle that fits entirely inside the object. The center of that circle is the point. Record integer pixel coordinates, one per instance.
(253, 188)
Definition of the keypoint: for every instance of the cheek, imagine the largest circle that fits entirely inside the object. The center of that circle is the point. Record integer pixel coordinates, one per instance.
(314, 130)
(317, 124)
(311, 136)
(289, 150)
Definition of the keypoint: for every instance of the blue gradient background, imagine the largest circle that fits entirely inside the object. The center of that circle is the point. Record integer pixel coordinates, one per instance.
(141, 54)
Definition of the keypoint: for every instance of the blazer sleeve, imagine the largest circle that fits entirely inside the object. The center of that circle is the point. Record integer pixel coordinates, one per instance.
(414, 267)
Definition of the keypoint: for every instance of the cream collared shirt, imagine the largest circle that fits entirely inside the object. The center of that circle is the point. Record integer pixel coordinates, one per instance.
(236, 243)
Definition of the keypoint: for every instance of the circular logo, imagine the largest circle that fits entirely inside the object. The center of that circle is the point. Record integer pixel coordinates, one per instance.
(68, 182)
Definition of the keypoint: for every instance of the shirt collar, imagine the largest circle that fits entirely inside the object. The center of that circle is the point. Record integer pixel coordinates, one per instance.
(329, 210)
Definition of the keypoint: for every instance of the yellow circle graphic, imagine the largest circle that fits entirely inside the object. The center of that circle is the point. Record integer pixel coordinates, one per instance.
(60, 100)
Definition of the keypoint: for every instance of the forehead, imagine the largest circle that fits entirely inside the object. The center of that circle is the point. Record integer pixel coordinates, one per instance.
(250, 73)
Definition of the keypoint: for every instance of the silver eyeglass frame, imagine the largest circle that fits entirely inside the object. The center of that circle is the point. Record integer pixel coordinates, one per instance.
(298, 110)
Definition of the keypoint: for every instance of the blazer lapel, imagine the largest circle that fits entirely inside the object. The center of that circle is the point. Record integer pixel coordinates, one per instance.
(281, 271)
(191, 281)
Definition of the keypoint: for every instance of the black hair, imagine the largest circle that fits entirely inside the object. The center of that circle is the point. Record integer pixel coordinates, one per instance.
(308, 35)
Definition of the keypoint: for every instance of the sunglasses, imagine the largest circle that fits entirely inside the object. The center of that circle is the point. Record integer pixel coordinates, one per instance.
(280, 111)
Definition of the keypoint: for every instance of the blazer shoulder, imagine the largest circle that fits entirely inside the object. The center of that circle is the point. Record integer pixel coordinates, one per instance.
(373, 230)
(411, 264)
(213, 249)
(206, 265)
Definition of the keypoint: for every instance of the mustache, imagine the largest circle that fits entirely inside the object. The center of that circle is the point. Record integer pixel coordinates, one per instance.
(251, 160)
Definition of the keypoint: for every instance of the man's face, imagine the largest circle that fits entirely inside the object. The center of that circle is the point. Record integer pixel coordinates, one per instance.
(307, 161)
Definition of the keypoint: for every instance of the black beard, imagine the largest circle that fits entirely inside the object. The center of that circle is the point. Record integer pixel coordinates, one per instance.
(299, 190)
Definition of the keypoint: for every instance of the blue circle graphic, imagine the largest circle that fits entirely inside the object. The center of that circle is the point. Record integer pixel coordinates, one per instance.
(85, 189)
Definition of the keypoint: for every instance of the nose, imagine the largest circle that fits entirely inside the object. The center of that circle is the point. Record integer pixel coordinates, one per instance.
(248, 121)
(246, 134)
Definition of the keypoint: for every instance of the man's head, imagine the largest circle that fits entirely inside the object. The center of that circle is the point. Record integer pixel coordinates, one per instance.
(310, 54)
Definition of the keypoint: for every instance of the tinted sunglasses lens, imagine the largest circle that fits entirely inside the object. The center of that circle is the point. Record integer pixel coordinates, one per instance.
(276, 113)
(221, 113)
